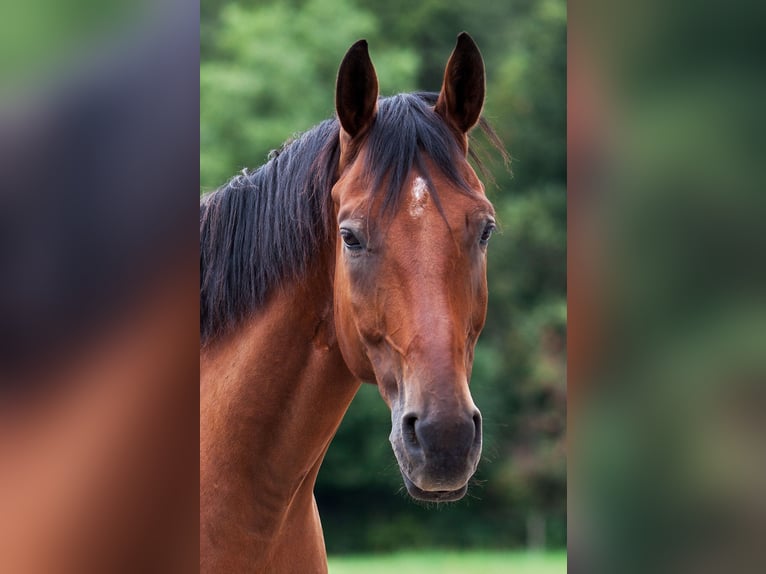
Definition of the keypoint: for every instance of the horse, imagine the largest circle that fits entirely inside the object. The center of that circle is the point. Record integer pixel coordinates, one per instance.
(358, 252)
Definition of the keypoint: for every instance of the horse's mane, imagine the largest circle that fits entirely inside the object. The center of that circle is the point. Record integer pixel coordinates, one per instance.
(263, 227)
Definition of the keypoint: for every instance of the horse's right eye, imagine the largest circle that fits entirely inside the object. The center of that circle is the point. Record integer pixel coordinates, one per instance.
(350, 240)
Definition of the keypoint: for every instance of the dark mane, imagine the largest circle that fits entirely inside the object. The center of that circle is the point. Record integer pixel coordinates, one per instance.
(262, 228)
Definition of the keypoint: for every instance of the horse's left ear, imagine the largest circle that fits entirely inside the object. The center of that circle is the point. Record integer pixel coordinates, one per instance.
(356, 91)
(462, 95)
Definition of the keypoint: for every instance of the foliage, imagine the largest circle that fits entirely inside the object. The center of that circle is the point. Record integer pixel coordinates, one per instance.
(268, 71)
(271, 73)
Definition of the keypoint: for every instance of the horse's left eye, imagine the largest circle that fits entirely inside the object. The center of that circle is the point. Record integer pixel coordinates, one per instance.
(487, 233)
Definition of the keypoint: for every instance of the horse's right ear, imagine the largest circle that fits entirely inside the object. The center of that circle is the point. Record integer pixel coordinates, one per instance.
(356, 91)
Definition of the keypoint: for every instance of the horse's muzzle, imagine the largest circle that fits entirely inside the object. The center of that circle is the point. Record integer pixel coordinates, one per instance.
(437, 453)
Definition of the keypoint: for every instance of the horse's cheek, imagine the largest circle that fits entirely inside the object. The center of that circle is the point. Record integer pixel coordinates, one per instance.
(349, 341)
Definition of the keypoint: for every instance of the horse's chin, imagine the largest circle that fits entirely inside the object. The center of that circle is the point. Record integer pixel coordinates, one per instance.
(433, 495)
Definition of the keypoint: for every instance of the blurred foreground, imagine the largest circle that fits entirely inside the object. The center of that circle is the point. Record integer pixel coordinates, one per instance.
(98, 296)
(450, 562)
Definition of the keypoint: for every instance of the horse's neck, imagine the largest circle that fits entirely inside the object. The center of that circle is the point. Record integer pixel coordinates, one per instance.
(271, 397)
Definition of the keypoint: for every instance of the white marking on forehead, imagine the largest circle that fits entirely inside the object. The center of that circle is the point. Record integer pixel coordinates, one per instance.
(419, 197)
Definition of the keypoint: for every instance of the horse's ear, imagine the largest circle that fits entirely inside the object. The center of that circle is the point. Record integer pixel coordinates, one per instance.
(462, 94)
(356, 91)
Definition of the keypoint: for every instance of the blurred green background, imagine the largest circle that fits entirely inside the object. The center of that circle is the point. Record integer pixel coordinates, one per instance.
(667, 229)
(42, 40)
(267, 72)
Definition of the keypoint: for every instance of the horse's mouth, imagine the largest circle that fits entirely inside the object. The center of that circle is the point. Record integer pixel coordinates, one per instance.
(434, 495)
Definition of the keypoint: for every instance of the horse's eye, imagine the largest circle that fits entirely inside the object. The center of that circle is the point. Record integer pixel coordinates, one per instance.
(487, 233)
(350, 240)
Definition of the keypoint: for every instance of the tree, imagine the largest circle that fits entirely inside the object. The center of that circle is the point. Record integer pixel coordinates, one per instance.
(271, 73)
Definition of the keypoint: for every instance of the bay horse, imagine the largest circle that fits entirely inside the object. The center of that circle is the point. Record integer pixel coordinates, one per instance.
(356, 253)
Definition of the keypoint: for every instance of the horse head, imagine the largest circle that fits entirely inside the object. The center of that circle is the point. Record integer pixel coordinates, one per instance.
(410, 288)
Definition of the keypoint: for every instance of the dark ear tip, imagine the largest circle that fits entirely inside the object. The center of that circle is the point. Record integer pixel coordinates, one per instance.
(359, 45)
(465, 39)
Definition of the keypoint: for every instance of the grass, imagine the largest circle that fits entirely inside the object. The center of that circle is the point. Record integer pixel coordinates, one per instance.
(452, 562)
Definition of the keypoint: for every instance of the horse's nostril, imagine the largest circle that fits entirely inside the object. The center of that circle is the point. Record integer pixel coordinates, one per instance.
(408, 430)
(477, 430)
(477, 427)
